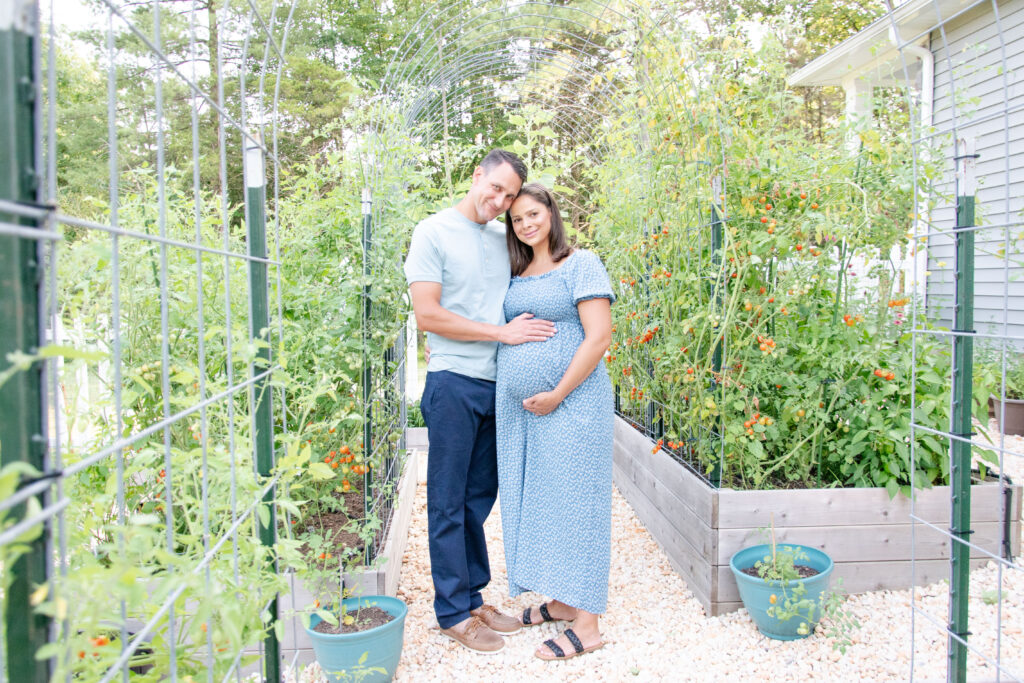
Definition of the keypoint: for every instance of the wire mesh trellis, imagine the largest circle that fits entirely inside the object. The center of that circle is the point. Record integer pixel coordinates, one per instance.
(965, 120)
(124, 423)
(383, 386)
(466, 76)
(160, 324)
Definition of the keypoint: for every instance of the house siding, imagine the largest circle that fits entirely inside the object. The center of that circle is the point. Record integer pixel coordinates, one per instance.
(969, 60)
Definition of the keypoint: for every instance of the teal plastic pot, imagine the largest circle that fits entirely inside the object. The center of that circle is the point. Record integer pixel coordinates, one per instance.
(338, 654)
(756, 592)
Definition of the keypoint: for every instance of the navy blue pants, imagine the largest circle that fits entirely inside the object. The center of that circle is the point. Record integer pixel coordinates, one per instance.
(462, 485)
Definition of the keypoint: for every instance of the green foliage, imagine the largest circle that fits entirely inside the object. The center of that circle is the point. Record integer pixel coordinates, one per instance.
(765, 349)
(775, 363)
(326, 341)
(988, 373)
(414, 418)
(313, 89)
(192, 480)
(82, 156)
(11, 475)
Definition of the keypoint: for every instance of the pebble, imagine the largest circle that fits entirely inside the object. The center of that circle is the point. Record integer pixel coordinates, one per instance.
(656, 630)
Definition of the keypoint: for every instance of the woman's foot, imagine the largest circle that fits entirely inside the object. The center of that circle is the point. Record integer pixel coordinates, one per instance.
(556, 611)
(569, 644)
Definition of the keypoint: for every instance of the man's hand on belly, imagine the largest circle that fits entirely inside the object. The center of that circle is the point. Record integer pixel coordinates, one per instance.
(525, 328)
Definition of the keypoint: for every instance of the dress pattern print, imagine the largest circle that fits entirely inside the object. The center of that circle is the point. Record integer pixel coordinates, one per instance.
(555, 470)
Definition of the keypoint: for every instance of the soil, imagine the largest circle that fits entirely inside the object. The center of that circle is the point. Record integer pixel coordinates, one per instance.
(338, 526)
(802, 569)
(335, 525)
(365, 619)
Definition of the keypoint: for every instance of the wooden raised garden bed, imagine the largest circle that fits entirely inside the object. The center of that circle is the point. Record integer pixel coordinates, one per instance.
(870, 537)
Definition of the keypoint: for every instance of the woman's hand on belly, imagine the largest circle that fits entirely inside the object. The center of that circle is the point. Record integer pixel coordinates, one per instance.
(542, 403)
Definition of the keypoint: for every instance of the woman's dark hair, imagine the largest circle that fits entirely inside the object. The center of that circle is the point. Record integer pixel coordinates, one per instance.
(520, 254)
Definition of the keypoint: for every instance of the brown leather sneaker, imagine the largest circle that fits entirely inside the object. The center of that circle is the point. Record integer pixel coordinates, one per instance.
(501, 624)
(475, 635)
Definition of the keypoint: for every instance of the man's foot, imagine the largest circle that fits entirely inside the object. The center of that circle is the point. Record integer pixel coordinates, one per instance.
(569, 645)
(475, 635)
(548, 611)
(502, 624)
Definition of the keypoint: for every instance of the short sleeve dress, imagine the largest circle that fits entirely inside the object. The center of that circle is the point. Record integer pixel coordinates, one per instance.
(555, 470)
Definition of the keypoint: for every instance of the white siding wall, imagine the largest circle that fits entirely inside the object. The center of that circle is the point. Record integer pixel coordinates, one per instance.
(979, 57)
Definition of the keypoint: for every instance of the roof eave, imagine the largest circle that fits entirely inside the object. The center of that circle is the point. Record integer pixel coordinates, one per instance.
(863, 51)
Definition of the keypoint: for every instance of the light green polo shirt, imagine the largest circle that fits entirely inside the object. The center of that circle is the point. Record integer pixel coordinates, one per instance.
(470, 261)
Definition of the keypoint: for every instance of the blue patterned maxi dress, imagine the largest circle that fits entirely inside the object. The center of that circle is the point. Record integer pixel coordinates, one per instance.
(555, 470)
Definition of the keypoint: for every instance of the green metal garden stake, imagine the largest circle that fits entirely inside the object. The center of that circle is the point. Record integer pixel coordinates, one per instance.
(21, 398)
(655, 428)
(367, 203)
(720, 282)
(960, 419)
(263, 439)
(716, 260)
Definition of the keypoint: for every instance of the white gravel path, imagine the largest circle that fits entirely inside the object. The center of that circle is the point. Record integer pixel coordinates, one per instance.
(657, 631)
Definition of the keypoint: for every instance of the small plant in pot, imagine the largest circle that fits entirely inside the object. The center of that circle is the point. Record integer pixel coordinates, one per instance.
(785, 588)
(359, 638)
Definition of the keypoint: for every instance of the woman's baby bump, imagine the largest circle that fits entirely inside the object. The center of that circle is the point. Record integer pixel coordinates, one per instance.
(533, 367)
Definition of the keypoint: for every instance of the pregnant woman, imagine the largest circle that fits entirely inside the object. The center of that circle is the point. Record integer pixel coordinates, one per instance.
(554, 428)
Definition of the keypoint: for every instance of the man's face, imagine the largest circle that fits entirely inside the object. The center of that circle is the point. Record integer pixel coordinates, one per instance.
(493, 191)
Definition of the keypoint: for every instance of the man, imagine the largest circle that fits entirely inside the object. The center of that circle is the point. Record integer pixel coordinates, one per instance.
(458, 271)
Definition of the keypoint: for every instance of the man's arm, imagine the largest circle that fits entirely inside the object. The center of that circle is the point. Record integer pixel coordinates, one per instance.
(432, 317)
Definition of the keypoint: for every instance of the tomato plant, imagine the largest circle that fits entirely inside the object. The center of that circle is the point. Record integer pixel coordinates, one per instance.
(740, 321)
(142, 522)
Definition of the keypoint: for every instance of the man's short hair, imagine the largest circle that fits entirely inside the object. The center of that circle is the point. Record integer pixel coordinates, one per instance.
(497, 157)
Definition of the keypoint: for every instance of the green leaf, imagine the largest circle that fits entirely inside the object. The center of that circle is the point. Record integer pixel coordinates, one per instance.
(327, 616)
(49, 651)
(321, 470)
(11, 474)
(289, 507)
(986, 455)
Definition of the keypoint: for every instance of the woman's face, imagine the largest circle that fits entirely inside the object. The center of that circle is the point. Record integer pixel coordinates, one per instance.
(531, 220)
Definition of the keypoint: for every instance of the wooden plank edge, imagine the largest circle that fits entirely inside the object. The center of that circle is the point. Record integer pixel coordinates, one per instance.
(665, 499)
(695, 576)
(861, 542)
(818, 507)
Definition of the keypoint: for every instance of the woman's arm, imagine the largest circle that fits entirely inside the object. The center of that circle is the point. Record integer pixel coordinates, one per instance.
(596, 316)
